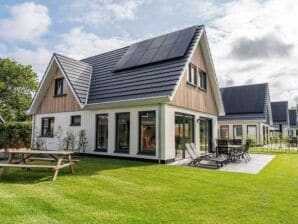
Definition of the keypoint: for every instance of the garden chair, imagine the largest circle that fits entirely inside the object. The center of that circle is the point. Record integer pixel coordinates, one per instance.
(195, 158)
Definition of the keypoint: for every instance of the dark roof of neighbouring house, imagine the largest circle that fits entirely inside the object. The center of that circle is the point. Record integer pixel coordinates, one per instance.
(293, 117)
(146, 81)
(280, 112)
(247, 102)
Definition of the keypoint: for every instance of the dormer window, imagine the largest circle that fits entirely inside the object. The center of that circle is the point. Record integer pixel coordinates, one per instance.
(192, 74)
(60, 87)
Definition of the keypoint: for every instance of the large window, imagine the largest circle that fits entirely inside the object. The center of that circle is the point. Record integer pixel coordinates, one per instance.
(237, 131)
(47, 127)
(60, 87)
(192, 74)
(224, 132)
(102, 132)
(147, 129)
(203, 80)
(184, 133)
(252, 132)
(122, 132)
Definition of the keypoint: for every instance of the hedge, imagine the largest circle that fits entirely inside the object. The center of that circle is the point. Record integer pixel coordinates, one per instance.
(15, 135)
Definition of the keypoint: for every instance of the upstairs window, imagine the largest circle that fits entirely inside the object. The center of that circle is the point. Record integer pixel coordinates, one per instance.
(60, 87)
(75, 120)
(203, 80)
(192, 74)
(47, 126)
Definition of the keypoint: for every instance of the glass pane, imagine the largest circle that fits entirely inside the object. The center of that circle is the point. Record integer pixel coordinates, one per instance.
(224, 132)
(58, 87)
(203, 135)
(45, 126)
(51, 129)
(252, 133)
(237, 132)
(64, 86)
(147, 132)
(102, 132)
(123, 131)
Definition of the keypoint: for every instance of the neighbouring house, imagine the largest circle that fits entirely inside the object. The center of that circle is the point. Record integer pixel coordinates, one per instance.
(1, 120)
(293, 123)
(142, 101)
(280, 115)
(247, 113)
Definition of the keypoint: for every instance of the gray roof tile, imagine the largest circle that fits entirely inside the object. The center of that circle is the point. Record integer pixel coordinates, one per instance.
(280, 112)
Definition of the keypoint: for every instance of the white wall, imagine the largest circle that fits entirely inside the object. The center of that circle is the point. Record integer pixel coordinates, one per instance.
(88, 122)
(170, 128)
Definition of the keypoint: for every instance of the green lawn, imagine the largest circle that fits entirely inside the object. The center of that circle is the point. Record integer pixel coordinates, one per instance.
(119, 191)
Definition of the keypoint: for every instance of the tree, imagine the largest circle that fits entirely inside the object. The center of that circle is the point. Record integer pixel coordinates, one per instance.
(17, 85)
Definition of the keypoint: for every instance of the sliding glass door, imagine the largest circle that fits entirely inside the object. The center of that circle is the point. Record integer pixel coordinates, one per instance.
(205, 135)
(122, 132)
(184, 133)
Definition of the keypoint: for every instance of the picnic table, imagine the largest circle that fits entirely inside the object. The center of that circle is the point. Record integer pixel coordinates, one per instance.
(59, 159)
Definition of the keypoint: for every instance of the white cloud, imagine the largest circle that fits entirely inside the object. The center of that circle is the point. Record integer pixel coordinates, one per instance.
(38, 58)
(28, 21)
(253, 22)
(78, 43)
(98, 11)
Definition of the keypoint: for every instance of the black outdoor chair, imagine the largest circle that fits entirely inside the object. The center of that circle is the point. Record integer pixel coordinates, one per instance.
(222, 147)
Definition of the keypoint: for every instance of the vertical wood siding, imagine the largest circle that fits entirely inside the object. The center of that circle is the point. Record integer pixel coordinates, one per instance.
(190, 97)
(51, 104)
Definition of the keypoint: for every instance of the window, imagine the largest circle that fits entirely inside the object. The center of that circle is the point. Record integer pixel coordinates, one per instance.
(60, 87)
(252, 132)
(75, 120)
(237, 131)
(47, 127)
(102, 132)
(224, 132)
(147, 129)
(203, 80)
(192, 74)
(122, 132)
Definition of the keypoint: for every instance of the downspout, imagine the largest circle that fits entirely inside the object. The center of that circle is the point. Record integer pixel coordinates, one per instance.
(159, 133)
(33, 131)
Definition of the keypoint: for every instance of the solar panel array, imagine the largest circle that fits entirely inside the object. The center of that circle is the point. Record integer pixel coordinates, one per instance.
(168, 46)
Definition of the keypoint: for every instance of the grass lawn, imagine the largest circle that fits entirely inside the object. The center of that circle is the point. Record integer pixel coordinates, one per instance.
(119, 191)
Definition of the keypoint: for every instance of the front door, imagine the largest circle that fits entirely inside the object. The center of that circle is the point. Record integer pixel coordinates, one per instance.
(184, 133)
(206, 135)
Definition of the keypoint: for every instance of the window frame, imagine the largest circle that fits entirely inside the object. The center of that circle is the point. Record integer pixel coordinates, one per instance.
(235, 126)
(146, 151)
(117, 149)
(63, 87)
(96, 133)
(203, 85)
(192, 67)
(72, 123)
(228, 127)
(49, 127)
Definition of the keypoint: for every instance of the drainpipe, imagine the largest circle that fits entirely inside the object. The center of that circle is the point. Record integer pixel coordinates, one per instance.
(159, 133)
(33, 131)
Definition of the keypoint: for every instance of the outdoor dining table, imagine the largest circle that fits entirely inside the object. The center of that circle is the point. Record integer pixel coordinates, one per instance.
(59, 159)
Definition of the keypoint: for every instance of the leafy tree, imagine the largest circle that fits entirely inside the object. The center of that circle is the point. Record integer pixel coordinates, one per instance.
(17, 84)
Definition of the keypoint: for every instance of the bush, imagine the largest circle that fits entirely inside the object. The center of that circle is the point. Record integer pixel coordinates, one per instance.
(15, 135)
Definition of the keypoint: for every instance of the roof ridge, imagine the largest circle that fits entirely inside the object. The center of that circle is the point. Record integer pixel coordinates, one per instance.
(56, 54)
(245, 85)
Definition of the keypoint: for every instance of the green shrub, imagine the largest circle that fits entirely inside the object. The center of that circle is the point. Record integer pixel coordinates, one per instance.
(15, 135)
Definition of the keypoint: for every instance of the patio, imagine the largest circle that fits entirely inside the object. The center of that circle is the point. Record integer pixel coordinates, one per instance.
(258, 162)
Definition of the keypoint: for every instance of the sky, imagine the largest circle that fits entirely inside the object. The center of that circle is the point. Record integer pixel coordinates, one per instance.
(251, 41)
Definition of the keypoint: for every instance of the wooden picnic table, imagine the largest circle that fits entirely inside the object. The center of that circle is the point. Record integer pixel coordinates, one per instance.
(60, 159)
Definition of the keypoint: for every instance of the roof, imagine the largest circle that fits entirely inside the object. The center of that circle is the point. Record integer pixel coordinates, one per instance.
(153, 80)
(97, 80)
(248, 102)
(78, 73)
(280, 112)
(293, 117)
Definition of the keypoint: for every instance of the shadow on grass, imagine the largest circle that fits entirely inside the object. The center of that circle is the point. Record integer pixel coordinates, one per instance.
(87, 166)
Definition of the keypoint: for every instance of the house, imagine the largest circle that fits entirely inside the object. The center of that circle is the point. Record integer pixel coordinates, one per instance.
(247, 113)
(293, 123)
(280, 115)
(143, 101)
(1, 120)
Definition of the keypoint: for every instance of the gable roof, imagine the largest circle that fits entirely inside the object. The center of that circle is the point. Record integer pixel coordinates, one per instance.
(280, 112)
(293, 117)
(96, 82)
(246, 102)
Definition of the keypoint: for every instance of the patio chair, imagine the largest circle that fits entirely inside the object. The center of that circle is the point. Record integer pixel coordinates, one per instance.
(246, 150)
(195, 158)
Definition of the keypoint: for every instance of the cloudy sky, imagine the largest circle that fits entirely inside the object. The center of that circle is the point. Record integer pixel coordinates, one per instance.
(251, 41)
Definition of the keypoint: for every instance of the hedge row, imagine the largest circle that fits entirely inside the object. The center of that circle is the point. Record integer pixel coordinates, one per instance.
(15, 135)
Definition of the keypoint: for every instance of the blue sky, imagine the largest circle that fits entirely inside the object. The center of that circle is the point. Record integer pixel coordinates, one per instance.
(251, 41)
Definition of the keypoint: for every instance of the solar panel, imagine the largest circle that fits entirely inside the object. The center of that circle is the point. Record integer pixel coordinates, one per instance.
(157, 49)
